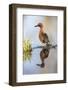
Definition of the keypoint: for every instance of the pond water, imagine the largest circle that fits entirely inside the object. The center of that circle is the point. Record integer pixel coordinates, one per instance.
(40, 61)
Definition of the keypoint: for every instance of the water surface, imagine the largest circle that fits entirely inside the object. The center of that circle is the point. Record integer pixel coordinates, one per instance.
(36, 65)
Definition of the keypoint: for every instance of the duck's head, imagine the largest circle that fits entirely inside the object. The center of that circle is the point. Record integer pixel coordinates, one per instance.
(39, 25)
(41, 65)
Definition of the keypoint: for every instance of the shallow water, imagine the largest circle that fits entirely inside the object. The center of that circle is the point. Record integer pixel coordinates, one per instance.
(33, 65)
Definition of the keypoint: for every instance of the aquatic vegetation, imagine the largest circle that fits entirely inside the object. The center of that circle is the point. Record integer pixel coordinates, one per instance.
(27, 50)
(27, 45)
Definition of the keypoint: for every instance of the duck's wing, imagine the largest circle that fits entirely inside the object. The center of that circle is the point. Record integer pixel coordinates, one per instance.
(43, 38)
(46, 37)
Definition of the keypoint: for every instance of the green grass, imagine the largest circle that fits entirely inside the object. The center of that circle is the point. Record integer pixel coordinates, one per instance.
(27, 50)
(27, 45)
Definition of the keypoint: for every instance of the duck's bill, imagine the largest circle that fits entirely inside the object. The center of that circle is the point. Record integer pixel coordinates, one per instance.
(36, 26)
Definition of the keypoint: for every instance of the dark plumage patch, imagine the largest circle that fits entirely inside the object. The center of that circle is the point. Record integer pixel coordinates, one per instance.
(43, 41)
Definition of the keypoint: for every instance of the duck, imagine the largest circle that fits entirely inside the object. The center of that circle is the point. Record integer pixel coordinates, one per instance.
(43, 37)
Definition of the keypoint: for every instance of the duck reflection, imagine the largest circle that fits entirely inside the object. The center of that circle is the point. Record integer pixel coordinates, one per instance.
(44, 53)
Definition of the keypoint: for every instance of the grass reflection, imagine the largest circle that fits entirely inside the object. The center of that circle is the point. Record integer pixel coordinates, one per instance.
(27, 55)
